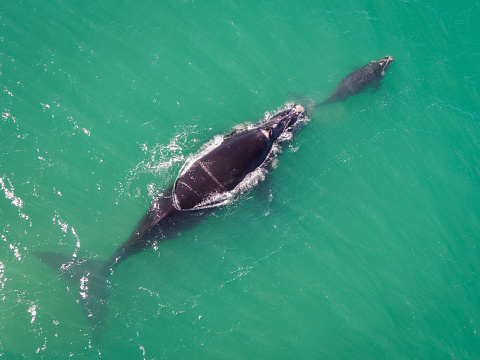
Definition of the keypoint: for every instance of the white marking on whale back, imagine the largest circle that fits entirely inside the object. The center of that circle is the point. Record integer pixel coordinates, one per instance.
(204, 150)
(214, 200)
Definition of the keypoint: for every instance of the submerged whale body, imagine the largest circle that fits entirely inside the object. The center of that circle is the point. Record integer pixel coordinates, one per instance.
(204, 184)
(357, 81)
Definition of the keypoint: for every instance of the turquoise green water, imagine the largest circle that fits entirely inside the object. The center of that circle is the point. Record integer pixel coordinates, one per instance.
(362, 244)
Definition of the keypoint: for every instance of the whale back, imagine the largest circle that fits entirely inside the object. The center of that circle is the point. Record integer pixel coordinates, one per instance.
(209, 180)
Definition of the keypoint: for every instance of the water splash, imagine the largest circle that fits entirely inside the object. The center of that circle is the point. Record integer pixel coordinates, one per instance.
(160, 158)
(8, 189)
(33, 311)
(2, 280)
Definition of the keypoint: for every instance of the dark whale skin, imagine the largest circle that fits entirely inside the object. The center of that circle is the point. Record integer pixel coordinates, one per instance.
(359, 80)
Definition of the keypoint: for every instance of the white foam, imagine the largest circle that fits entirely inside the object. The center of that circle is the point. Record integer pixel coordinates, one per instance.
(159, 159)
(33, 311)
(2, 278)
(8, 189)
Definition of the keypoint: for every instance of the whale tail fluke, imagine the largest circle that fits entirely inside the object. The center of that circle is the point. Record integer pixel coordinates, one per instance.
(89, 278)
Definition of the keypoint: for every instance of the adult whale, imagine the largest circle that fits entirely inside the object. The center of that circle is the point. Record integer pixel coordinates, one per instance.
(358, 80)
(207, 182)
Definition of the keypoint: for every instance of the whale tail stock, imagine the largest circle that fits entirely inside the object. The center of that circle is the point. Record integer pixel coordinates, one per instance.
(89, 278)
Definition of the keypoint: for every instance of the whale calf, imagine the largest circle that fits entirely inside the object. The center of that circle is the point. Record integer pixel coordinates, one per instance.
(357, 81)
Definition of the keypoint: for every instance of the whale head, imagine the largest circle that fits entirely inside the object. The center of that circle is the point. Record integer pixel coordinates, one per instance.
(384, 63)
(282, 121)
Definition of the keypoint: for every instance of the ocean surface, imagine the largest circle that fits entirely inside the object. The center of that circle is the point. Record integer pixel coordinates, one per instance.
(362, 243)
